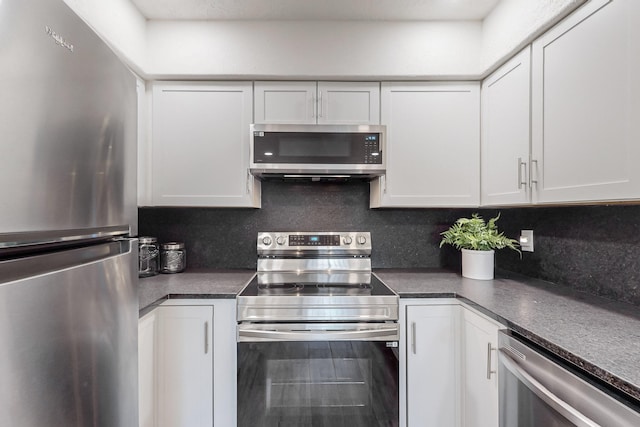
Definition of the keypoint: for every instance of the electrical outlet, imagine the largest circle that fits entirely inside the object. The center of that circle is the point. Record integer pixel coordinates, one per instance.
(526, 240)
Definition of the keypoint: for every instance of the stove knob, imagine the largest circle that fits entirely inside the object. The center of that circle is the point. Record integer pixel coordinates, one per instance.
(347, 240)
(266, 240)
(281, 240)
(361, 240)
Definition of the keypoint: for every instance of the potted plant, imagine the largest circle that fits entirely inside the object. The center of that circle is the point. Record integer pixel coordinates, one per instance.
(477, 240)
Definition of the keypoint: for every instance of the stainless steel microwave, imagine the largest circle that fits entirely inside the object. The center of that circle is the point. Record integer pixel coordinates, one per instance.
(317, 151)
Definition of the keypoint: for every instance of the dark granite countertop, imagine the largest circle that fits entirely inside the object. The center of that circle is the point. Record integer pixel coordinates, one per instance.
(598, 335)
(191, 284)
(594, 333)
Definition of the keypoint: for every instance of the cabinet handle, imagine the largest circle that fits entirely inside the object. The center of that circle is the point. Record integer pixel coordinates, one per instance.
(522, 177)
(534, 181)
(320, 104)
(413, 337)
(206, 337)
(489, 371)
(248, 181)
(314, 105)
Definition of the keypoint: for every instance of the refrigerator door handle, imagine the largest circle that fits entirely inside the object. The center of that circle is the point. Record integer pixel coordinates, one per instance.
(36, 265)
(27, 241)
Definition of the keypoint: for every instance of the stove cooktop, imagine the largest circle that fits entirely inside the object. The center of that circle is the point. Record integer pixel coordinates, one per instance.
(330, 289)
(315, 277)
(261, 286)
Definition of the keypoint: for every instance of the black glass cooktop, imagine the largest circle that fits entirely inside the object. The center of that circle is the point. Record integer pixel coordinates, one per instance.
(264, 287)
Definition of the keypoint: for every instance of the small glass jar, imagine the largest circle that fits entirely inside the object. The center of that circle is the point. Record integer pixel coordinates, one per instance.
(147, 256)
(173, 257)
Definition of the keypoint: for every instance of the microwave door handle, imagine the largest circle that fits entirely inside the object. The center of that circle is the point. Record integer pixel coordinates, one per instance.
(248, 335)
(559, 405)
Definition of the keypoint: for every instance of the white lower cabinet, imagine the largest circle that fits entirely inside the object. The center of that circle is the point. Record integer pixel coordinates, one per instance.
(479, 336)
(432, 369)
(146, 370)
(185, 366)
(449, 378)
(193, 343)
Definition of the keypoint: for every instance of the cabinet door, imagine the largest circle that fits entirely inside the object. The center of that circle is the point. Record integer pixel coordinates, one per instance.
(201, 145)
(586, 105)
(285, 102)
(185, 366)
(432, 366)
(479, 370)
(349, 103)
(506, 133)
(147, 370)
(433, 145)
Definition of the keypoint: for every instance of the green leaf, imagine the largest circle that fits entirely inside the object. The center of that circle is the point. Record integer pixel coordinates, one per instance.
(473, 233)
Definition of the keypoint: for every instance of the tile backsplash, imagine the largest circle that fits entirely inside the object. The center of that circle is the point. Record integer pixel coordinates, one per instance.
(591, 248)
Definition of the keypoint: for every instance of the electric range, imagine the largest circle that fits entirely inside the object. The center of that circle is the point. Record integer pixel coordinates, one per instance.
(312, 276)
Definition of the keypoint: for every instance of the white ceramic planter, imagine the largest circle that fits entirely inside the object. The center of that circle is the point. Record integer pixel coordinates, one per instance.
(477, 264)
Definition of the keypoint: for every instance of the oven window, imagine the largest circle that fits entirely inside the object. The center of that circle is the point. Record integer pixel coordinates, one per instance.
(350, 383)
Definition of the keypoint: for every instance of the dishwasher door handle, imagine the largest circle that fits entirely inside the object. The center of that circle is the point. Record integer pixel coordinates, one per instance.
(559, 405)
(317, 332)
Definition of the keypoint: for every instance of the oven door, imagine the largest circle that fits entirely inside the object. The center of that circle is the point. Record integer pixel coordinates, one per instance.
(318, 374)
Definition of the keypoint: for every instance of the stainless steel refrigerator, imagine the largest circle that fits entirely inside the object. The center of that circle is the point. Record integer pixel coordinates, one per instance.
(68, 256)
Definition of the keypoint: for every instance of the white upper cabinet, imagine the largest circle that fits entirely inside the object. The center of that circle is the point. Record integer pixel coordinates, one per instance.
(200, 145)
(285, 102)
(586, 106)
(433, 145)
(349, 103)
(505, 140)
(317, 102)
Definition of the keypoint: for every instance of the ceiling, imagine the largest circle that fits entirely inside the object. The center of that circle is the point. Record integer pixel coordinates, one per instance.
(347, 10)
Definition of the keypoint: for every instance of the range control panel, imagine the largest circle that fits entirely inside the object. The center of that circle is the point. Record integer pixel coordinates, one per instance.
(314, 240)
(334, 242)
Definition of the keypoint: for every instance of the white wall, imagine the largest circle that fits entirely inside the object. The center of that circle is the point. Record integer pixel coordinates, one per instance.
(514, 23)
(120, 24)
(313, 49)
(381, 50)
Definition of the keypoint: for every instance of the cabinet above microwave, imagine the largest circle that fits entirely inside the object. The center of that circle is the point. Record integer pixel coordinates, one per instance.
(317, 151)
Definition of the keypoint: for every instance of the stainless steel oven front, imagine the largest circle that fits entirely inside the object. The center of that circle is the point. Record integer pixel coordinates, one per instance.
(317, 335)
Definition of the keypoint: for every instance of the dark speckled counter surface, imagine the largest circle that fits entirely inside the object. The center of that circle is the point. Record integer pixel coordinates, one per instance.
(191, 284)
(596, 334)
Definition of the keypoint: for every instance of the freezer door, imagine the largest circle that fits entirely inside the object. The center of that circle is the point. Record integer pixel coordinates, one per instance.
(68, 338)
(68, 124)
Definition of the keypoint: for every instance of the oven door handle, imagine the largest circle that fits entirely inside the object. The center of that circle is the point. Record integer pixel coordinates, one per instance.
(261, 333)
(559, 405)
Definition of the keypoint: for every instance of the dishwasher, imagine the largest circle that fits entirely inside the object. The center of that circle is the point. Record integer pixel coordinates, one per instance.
(536, 391)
